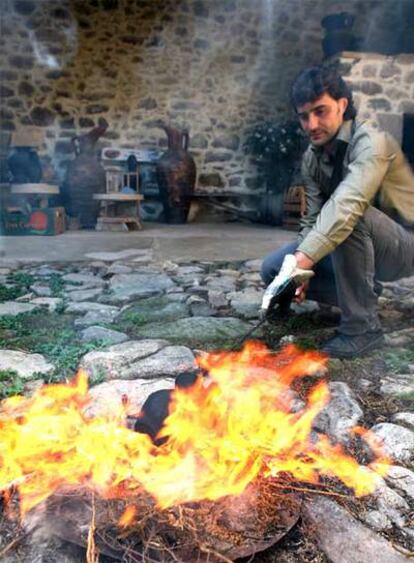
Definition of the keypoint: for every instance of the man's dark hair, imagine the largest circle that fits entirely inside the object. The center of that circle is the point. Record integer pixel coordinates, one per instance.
(315, 81)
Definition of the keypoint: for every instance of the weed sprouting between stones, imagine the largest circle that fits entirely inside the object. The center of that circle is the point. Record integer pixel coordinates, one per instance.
(10, 383)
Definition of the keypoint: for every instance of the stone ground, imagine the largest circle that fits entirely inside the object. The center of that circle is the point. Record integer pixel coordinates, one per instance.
(134, 323)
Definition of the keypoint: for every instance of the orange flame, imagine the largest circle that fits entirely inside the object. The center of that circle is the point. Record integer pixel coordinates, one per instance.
(128, 516)
(220, 437)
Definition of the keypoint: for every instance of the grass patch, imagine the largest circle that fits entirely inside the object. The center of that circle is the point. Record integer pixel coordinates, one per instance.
(10, 383)
(9, 293)
(408, 400)
(21, 279)
(57, 285)
(49, 334)
(132, 318)
(20, 283)
(399, 359)
(65, 353)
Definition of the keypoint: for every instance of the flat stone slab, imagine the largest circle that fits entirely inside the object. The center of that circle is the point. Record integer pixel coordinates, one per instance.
(52, 303)
(399, 338)
(391, 504)
(397, 441)
(26, 365)
(104, 334)
(14, 308)
(118, 269)
(168, 361)
(112, 360)
(104, 316)
(156, 309)
(84, 294)
(342, 538)
(41, 290)
(398, 385)
(119, 255)
(125, 287)
(221, 283)
(404, 419)
(81, 279)
(88, 306)
(246, 303)
(201, 330)
(109, 398)
(341, 414)
(401, 479)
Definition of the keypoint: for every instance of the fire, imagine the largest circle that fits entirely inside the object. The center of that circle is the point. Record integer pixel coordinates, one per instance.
(220, 437)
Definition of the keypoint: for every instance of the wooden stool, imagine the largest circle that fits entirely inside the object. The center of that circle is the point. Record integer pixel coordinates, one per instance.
(119, 212)
(38, 192)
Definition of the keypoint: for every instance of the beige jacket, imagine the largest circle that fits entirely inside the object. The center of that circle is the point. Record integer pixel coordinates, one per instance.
(374, 168)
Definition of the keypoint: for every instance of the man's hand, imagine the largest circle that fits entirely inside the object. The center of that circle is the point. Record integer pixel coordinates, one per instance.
(305, 263)
(289, 277)
(300, 293)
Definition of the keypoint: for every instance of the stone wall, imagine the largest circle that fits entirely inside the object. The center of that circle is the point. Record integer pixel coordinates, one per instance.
(383, 87)
(214, 66)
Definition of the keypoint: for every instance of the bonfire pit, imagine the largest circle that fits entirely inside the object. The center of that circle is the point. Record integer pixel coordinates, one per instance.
(220, 479)
(136, 530)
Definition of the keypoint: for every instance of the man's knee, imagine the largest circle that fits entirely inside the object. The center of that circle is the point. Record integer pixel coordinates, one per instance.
(272, 262)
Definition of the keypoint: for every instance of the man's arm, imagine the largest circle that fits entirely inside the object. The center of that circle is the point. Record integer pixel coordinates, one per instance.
(313, 196)
(368, 165)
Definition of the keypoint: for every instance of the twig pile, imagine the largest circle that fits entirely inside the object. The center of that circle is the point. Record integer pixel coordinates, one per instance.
(207, 531)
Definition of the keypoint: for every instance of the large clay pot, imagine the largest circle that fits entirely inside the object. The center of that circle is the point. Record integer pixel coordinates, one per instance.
(176, 172)
(84, 177)
(338, 34)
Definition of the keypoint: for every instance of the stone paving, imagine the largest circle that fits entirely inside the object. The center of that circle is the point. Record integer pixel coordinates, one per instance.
(145, 322)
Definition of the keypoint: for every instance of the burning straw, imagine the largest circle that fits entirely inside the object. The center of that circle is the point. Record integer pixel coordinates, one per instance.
(244, 428)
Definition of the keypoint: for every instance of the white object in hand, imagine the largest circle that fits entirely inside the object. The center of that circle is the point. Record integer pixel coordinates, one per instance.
(287, 273)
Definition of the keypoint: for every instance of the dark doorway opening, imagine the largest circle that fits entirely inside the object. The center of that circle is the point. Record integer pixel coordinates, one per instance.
(408, 137)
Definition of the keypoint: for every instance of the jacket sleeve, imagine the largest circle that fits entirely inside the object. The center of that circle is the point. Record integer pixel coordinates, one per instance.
(366, 169)
(314, 200)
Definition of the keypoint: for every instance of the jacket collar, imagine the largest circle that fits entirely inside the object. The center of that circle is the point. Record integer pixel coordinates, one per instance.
(343, 136)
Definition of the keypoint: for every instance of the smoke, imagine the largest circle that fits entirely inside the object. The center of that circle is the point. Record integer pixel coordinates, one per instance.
(382, 26)
(53, 34)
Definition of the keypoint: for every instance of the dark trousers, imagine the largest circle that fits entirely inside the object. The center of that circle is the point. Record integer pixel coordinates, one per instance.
(378, 249)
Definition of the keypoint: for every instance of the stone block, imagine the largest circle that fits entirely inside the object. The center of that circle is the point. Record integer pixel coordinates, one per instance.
(389, 69)
(369, 71)
(218, 156)
(42, 116)
(379, 104)
(392, 123)
(368, 87)
(6, 92)
(227, 141)
(406, 106)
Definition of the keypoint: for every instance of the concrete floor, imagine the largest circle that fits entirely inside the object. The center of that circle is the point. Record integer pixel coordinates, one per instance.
(193, 241)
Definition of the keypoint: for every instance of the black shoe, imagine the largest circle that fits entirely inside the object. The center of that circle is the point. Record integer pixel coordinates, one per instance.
(346, 346)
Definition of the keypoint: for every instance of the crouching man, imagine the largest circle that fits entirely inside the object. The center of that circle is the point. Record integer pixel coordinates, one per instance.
(359, 223)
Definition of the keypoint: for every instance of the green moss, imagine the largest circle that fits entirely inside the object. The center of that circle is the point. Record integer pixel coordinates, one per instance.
(10, 383)
(56, 284)
(50, 334)
(398, 359)
(20, 283)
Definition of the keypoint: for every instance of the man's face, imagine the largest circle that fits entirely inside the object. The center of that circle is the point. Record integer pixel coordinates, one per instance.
(322, 118)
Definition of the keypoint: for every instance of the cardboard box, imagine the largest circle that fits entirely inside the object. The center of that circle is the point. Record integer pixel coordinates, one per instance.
(47, 221)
